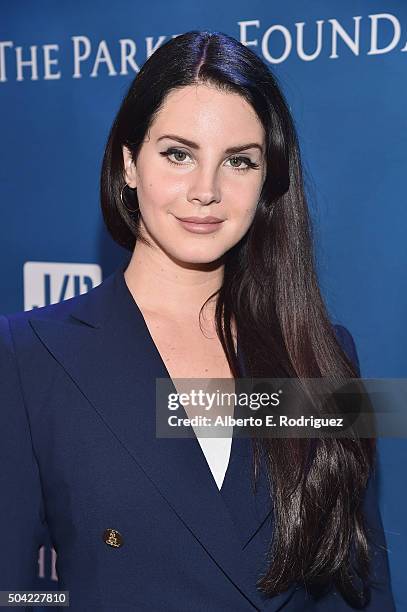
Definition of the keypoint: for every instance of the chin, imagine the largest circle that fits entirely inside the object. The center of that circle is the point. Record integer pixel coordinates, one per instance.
(197, 256)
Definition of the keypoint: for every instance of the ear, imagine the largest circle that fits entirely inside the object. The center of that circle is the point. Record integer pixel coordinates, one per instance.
(130, 172)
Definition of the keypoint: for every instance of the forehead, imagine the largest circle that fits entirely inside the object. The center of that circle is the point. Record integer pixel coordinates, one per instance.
(204, 112)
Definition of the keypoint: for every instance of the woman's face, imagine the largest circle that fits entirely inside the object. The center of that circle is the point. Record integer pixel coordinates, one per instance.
(218, 173)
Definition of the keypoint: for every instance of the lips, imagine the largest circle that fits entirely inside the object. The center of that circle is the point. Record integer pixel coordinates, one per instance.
(200, 219)
(200, 225)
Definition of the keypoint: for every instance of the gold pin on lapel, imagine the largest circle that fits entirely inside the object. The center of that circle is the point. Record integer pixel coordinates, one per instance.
(113, 538)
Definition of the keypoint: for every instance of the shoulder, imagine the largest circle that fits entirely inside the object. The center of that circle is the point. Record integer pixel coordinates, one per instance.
(17, 329)
(57, 311)
(347, 343)
(92, 304)
(23, 335)
(19, 342)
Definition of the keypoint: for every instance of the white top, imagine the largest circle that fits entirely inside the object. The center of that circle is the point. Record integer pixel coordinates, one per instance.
(217, 454)
(216, 451)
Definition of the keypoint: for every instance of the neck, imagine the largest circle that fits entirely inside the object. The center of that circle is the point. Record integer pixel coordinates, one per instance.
(162, 285)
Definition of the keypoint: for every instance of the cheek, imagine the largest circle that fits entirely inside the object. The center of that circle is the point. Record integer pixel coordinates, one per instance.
(241, 218)
(244, 214)
(151, 193)
(245, 191)
(250, 208)
(158, 189)
(249, 215)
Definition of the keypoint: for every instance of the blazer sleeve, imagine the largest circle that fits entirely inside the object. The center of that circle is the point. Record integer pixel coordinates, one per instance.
(22, 513)
(381, 593)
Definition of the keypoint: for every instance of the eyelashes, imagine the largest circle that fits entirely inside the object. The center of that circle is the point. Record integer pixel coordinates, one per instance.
(172, 151)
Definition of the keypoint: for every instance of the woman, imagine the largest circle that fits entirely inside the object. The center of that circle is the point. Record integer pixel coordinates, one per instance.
(202, 183)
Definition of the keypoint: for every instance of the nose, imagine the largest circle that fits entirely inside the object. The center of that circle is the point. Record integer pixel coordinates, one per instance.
(204, 188)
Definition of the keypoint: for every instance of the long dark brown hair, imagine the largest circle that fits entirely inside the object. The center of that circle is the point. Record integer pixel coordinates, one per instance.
(270, 290)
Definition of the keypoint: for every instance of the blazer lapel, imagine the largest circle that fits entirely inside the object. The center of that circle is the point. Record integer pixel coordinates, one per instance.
(105, 347)
(248, 508)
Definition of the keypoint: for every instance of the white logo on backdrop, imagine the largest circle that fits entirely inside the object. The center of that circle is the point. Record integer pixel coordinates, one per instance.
(323, 38)
(51, 282)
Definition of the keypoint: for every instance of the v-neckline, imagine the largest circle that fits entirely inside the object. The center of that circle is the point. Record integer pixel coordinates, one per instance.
(236, 445)
(148, 332)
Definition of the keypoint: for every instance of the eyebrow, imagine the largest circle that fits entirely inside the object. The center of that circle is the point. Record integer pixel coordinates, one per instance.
(194, 145)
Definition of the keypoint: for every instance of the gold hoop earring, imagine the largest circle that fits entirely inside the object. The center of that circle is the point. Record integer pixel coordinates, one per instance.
(131, 210)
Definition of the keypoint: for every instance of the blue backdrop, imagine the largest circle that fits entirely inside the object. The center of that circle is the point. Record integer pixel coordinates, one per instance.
(64, 68)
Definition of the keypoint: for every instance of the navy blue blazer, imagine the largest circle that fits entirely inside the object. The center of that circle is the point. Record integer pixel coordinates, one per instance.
(79, 456)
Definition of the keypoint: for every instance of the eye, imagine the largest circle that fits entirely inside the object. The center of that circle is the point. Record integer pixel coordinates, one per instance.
(248, 163)
(177, 153)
